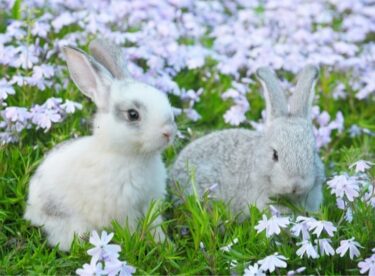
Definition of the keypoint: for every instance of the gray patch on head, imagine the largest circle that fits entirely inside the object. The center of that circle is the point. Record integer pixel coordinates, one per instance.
(139, 105)
(120, 113)
(53, 209)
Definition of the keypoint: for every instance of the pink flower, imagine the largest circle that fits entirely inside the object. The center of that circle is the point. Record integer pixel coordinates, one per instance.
(350, 245)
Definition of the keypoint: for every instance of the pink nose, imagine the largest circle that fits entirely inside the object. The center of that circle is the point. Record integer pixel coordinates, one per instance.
(167, 135)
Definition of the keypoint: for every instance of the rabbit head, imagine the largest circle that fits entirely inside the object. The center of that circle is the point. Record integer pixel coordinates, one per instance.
(289, 144)
(131, 116)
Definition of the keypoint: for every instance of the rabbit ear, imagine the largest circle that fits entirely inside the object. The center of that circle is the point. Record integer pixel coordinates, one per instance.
(302, 99)
(276, 102)
(111, 56)
(90, 76)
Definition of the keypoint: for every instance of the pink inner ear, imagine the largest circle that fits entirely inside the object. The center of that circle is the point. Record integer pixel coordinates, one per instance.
(81, 72)
(90, 77)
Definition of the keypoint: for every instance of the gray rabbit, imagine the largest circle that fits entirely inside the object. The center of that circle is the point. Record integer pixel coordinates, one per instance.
(251, 167)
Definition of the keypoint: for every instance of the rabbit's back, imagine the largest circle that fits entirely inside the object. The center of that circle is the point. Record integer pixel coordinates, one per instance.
(223, 159)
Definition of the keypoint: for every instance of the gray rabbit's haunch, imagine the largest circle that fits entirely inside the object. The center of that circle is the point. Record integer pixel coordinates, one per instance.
(252, 167)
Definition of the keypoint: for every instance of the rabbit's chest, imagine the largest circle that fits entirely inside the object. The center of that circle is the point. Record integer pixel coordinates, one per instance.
(126, 192)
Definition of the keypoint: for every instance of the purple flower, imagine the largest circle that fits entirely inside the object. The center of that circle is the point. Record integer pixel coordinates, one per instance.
(368, 265)
(361, 165)
(272, 225)
(350, 245)
(103, 250)
(5, 89)
(270, 263)
(114, 267)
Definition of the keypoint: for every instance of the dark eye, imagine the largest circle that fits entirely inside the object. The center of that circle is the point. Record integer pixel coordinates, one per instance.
(275, 156)
(132, 115)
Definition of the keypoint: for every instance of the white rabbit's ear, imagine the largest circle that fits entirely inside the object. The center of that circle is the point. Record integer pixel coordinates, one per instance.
(111, 56)
(276, 102)
(92, 78)
(302, 99)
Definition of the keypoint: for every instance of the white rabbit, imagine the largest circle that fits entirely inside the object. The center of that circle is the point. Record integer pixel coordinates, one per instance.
(251, 167)
(86, 183)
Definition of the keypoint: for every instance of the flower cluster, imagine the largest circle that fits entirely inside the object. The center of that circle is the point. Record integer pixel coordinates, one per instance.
(164, 39)
(104, 260)
(347, 188)
(316, 235)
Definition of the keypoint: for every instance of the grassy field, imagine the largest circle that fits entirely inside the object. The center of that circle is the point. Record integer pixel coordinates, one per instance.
(199, 228)
(24, 249)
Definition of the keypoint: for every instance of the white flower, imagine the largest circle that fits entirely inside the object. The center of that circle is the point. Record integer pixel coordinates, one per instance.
(103, 250)
(350, 245)
(93, 268)
(344, 185)
(361, 165)
(308, 249)
(118, 268)
(253, 270)
(270, 263)
(272, 225)
(302, 227)
(228, 247)
(320, 225)
(325, 247)
(368, 265)
(70, 107)
(294, 272)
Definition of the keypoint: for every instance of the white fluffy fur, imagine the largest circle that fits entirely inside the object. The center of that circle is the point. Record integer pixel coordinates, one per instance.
(86, 183)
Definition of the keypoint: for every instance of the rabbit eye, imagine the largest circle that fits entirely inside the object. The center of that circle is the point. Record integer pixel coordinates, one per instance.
(133, 115)
(275, 156)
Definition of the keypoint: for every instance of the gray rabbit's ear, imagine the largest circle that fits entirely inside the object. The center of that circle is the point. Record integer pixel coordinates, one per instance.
(111, 56)
(276, 102)
(90, 76)
(302, 99)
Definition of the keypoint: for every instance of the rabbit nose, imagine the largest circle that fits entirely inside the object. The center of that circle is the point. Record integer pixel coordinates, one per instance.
(167, 135)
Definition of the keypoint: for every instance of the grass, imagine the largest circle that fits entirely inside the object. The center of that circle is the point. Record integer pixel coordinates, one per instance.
(196, 222)
(24, 250)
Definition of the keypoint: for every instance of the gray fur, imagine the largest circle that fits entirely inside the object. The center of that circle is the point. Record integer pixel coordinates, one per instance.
(301, 100)
(111, 57)
(53, 209)
(241, 161)
(276, 102)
